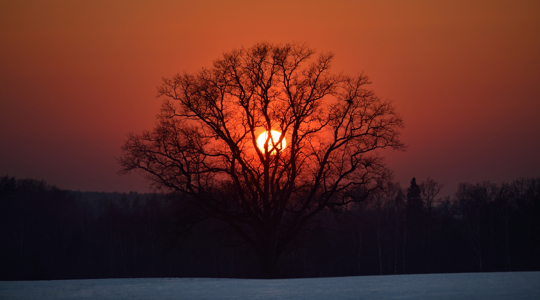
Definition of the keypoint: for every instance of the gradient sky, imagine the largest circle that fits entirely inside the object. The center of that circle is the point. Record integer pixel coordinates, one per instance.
(77, 76)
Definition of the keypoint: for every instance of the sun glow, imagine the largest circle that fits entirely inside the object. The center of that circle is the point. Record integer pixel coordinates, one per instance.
(273, 143)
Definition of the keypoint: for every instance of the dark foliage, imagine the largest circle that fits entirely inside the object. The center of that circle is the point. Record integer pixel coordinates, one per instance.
(48, 233)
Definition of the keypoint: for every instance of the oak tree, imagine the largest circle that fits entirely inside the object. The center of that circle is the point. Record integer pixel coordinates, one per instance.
(325, 155)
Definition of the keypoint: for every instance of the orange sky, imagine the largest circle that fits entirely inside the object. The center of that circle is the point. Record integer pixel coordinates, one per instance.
(77, 76)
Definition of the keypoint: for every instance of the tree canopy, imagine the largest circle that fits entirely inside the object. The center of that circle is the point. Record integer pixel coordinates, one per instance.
(204, 144)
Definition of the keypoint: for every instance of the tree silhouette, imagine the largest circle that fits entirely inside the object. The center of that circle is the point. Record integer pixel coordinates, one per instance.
(204, 144)
(429, 189)
(414, 197)
(414, 225)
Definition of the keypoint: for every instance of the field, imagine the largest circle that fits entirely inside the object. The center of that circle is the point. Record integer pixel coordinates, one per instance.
(518, 285)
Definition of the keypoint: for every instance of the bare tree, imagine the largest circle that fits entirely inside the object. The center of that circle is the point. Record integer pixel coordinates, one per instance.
(472, 201)
(325, 155)
(429, 189)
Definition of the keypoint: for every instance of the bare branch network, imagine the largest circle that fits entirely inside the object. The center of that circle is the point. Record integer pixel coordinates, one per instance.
(204, 143)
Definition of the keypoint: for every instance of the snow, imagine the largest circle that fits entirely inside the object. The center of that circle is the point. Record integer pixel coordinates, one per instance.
(519, 285)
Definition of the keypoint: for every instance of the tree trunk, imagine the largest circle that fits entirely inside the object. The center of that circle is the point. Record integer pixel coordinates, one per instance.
(268, 254)
(268, 259)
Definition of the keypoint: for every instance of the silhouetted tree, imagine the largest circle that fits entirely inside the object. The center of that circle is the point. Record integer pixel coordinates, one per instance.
(473, 201)
(205, 142)
(527, 193)
(429, 189)
(414, 227)
(414, 197)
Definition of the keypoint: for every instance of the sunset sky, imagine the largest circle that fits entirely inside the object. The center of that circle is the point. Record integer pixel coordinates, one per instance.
(77, 76)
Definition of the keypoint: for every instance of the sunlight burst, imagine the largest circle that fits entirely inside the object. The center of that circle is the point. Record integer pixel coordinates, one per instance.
(273, 141)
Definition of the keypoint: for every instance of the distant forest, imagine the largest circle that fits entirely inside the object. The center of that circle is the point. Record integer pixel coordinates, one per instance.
(47, 233)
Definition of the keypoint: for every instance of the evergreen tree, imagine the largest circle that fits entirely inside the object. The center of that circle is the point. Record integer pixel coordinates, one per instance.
(414, 199)
(414, 225)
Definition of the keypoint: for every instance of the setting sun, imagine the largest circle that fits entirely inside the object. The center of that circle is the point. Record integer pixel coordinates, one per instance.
(272, 142)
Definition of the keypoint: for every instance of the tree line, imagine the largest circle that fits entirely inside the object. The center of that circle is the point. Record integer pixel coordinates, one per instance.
(50, 233)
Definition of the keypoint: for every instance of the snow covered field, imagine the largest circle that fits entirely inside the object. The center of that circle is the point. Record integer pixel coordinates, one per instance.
(519, 285)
